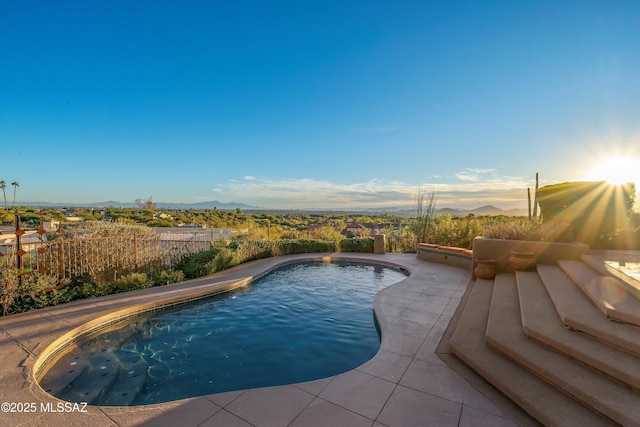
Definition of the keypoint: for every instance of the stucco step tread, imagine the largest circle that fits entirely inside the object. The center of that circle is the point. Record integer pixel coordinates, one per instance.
(540, 322)
(578, 312)
(618, 266)
(542, 401)
(606, 292)
(504, 334)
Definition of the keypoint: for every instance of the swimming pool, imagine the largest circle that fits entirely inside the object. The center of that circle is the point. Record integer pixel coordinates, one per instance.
(298, 323)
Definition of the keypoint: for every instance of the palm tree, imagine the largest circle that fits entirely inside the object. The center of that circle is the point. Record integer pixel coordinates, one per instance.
(3, 185)
(15, 187)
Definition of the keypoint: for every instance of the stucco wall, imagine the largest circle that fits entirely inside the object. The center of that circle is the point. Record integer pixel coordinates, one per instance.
(445, 255)
(546, 252)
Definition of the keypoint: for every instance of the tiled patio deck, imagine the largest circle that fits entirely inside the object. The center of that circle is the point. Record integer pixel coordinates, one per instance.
(405, 384)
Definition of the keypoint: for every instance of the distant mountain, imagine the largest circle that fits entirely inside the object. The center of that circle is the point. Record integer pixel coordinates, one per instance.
(492, 210)
(406, 211)
(163, 205)
(487, 210)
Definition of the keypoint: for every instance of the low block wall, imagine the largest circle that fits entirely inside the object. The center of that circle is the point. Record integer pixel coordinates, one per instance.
(446, 255)
(546, 252)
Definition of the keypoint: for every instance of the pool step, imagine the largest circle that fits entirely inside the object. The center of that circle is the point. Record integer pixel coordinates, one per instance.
(99, 376)
(607, 293)
(70, 366)
(132, 377)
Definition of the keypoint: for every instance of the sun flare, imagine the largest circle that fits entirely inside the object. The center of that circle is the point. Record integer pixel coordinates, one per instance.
(617, 170)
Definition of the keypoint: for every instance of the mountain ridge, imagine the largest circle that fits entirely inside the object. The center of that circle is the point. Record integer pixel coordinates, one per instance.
(486, 210)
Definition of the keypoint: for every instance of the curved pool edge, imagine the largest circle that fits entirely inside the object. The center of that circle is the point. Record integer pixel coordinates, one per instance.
(367, 390)
(58, 347)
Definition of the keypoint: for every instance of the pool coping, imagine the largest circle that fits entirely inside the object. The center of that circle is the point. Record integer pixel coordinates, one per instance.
(404, 383)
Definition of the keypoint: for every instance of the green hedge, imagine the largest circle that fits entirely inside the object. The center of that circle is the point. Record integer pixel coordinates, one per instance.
(190, 267)
(217, 259)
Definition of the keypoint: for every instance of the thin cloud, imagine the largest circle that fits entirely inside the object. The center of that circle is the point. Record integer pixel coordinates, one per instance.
(479, 170)
(466, 177)
(311, 193)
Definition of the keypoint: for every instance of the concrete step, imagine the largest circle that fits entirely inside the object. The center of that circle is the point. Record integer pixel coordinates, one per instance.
(70, 366)
(578, 312)
(608, 293)
(622, 264)
(542, 401)
(613, 400)
(132, 377)
(540, 322)
(99, 377)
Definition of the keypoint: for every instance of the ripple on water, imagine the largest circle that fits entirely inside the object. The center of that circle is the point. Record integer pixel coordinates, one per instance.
(299, 323)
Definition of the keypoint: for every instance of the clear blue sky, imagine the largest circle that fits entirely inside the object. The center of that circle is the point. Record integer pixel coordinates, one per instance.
(313, 103)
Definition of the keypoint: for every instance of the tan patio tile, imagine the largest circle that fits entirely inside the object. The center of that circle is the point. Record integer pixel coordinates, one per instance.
(427, 353)
(63, 419)
(35, 330)
(386, 365)
(314, 387)
(223, 399)
(321, 413)
(474, 399)
(225, 419)
(13, 356)
(475, 418)
(270, 407)
(359, 392)
(411, 408)
(185, 413)
(437, 380)
(396, 342)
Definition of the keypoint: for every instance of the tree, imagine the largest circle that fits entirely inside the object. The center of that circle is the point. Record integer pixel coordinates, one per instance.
(15, 187)
(147, 204)
(3, 185)
(425, 214)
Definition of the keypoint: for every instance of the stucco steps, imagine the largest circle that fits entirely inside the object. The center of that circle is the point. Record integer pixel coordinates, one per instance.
(631, 282)
(613, 400)
(578, 312)
(541, 323)
(609, 294)
(545, 403)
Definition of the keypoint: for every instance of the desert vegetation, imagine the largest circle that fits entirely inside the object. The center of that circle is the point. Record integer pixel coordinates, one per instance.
(594, 213)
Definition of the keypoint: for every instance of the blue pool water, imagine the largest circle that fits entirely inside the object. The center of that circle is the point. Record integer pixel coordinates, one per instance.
(298, 323)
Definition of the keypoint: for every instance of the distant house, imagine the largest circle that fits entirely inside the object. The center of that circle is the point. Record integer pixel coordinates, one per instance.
(50, 225)
(316, 227)
(357, 229)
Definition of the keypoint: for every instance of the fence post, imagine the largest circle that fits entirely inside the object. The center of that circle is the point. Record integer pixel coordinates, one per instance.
(19, 253)
(135, 251)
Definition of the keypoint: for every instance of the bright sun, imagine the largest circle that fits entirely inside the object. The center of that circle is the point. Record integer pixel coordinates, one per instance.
(617, 170)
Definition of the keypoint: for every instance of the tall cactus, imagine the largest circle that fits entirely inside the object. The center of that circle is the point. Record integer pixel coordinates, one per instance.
(535, 200)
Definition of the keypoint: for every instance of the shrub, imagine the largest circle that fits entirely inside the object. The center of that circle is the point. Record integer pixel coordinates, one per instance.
(198, 264)
(356, 245)
(166, 277)
(132, 282)
(508, 231)
(223, 260)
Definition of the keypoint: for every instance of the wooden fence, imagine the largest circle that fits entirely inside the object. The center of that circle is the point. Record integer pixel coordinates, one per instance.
(103, 257)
